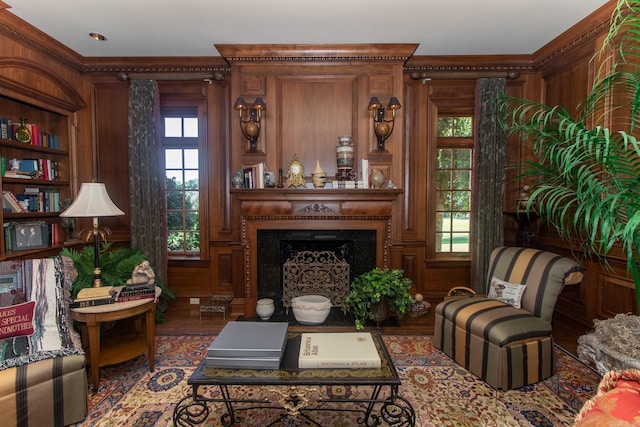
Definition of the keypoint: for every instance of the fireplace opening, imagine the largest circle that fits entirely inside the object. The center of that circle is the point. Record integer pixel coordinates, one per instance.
(275, 247)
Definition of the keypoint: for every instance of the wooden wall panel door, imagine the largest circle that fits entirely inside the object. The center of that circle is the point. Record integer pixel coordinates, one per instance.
(312, 114)
(111, 118)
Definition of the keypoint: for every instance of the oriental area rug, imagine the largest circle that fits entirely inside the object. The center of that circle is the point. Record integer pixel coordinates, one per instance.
(441, 392)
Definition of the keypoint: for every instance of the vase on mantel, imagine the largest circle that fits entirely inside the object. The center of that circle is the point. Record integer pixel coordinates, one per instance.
(344, 152)
(318, 176)
(376, 178)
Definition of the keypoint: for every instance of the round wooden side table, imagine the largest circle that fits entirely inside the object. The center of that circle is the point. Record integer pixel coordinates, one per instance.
(118, 349)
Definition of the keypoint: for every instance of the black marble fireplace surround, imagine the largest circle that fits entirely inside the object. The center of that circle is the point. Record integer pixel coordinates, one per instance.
(357, 247)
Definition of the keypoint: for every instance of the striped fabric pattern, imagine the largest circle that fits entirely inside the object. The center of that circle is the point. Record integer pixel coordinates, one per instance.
(505, 346)
(544, 274)
(51, 392)
(43, 379)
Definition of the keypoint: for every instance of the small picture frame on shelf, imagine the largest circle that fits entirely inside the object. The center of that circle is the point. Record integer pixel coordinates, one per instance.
(24, 236)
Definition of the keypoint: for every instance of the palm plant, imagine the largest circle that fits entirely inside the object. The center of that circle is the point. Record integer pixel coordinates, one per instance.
(587, 177)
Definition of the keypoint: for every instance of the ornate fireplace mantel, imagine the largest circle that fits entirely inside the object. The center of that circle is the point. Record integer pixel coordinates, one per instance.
(310, 209)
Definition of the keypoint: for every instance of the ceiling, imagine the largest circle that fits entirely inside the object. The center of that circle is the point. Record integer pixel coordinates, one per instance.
(192, 27)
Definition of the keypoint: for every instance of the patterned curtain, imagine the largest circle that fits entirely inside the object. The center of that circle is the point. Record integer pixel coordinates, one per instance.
(145, 175)
(488, 180)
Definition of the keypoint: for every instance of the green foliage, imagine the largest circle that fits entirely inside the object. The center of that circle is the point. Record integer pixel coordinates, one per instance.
(116, 266)
(183, 217)
(587, 178)
(370, 287)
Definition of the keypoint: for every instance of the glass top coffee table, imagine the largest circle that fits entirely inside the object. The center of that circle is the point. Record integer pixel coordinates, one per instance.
(291, 392)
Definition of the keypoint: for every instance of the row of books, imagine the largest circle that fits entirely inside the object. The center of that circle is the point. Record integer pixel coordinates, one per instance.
(32, 200)
(254, 176)
(91, 297)
(46, 169)
(39, 138)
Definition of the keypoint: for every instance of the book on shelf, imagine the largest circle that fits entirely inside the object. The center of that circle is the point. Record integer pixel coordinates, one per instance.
(254, 175)
(5, 128)
(17, 174)
(338, 350)
(258, 172)
(365, 173)
(46, 200)
(11, 201)
(29, 165)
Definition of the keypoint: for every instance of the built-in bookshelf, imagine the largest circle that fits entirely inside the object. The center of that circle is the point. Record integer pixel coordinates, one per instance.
(34, 150)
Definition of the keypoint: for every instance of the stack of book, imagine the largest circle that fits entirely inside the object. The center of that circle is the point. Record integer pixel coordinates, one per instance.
(89, 297)
(135, 291)
(251, 345)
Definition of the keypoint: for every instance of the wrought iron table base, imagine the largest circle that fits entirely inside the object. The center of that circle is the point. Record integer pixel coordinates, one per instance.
(294, 402)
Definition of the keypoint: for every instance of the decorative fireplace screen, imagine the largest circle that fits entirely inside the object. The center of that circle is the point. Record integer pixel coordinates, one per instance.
(315, 273)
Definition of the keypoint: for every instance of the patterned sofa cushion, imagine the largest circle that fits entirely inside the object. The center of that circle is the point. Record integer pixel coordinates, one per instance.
(46, 282)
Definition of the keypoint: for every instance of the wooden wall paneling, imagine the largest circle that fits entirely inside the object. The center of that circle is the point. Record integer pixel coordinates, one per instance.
(315, 110)
(111, 147)
(219, 119)
(415, 147)
(615, 295)
(191, 278)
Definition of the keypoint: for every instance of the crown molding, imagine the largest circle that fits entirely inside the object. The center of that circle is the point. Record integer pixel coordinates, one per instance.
(261, 53)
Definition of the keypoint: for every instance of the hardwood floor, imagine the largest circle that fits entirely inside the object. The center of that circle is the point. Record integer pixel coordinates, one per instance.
(186, 320)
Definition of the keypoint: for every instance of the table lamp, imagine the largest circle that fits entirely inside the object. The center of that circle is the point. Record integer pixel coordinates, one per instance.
(93, 201)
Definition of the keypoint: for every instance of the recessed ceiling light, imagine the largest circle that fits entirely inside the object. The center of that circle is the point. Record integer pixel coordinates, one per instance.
(97, 36)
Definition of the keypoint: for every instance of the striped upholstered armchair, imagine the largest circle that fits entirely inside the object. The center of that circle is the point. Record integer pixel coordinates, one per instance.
(504, 336)
(43, 379)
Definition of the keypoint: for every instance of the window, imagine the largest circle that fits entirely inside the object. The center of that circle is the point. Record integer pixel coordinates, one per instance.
(182, 183)
(454, 161)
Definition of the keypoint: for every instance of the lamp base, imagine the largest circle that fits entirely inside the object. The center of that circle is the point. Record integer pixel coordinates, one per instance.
(97, 277)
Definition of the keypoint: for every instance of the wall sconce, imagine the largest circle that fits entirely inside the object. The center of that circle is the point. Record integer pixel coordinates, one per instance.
(250, 122)
(381, 126)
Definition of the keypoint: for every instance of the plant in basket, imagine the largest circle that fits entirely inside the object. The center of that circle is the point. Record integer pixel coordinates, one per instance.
(375, 291)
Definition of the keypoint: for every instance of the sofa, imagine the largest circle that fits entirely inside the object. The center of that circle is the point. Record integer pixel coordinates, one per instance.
(504, 336)
(43, 379)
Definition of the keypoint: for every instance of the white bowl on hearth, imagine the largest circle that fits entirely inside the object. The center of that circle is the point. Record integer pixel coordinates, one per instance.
(311, 309)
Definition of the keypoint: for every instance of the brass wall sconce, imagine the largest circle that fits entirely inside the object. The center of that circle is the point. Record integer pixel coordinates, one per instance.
(381, 125)
(250, 120)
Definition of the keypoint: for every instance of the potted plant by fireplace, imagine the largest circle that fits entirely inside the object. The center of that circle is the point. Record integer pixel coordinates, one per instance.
(376, 293)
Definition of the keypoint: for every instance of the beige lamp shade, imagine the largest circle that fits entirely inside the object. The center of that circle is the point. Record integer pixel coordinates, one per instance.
(92, 201)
